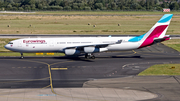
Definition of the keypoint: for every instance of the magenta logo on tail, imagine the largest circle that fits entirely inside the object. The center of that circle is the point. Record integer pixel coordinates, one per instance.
(155, 34)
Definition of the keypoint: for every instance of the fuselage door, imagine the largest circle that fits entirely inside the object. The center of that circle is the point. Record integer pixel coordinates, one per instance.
(20, 44)
(51, 43)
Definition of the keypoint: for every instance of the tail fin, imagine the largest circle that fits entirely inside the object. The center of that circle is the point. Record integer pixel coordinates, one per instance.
(157, 31)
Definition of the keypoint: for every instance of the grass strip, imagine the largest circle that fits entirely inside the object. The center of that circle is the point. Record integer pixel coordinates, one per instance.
(173, 43)
(162, 69)
(28, 54)
(95, 25)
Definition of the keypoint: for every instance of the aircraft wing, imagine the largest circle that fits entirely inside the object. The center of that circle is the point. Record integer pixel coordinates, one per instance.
(94, 45)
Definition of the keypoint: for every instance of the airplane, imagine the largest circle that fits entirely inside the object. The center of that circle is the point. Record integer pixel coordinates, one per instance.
(90, 45)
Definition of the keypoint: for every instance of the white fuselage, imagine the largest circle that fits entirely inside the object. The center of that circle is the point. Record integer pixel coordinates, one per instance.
(60, 44)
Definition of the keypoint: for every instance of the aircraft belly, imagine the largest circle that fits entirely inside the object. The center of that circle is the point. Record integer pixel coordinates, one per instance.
(37, 49)
(123, 46)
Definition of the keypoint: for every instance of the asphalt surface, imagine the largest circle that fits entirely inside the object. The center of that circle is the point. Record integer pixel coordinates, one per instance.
(60, 72)
(167, 88)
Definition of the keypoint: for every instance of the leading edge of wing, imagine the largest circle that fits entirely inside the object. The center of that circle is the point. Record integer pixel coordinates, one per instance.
(94, 45)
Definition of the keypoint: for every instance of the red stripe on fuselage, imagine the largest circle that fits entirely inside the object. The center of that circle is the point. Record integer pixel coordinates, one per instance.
(155, 34)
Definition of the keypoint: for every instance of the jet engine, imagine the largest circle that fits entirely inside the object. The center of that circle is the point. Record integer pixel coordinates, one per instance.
(72, 52)
(90, 49)
(94, 49)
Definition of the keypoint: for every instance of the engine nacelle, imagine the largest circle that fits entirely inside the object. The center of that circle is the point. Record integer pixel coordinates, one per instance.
(94, 49)
(90, 49)
(72, 52)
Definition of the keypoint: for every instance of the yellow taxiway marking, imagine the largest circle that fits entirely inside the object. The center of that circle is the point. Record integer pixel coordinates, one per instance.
(49, 68)
(50, 53)
(59, 68)
(39, 53)
(134, 51)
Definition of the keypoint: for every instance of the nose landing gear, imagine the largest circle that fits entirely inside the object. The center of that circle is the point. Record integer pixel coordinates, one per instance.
(22, 56)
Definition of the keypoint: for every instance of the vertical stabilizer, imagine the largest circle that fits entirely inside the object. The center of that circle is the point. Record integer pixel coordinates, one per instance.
(157, 31)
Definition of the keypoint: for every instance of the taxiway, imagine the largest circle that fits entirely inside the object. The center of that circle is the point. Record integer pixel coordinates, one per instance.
(112, 68)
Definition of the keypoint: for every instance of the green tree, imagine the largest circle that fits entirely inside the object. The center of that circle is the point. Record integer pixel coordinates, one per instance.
(33, 7)
(14, 8)
(148, 4)
(31, 2)
(48, 1)
(2, 1)
(57, 2)
(142, 3)
(65, 3)
(9, 7)
(174, 6)
(75, 8)
(159, 8)
(156, 2)
(87, 8)
(9, 1)
(27, 7)
(25, 2)
(1, 5)
(16, 5)
(67, 8)
(91, 4)
(55, 8)
(112, 6)
(151, 2)
(81, 6)
(21, 9)
(40, 6)
(164, 5)
(98, 6)
(136, 6)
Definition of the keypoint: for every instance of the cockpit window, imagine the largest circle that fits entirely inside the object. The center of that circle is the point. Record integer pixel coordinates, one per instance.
(10, 43)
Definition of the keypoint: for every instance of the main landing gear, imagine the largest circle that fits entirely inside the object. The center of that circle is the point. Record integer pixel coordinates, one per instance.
(22, 56)
(89, 56)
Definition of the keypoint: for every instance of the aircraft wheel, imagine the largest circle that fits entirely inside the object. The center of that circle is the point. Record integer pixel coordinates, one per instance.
(88, 57)
(21, 56)
(93, 57)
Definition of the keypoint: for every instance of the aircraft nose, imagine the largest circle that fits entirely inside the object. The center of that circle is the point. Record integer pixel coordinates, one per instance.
(6, 46)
